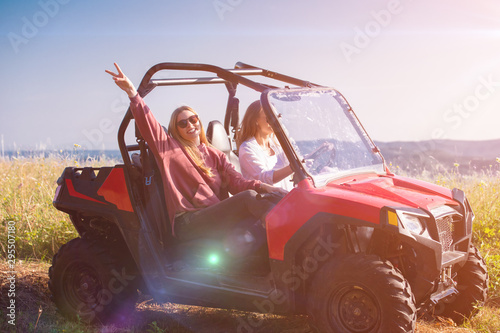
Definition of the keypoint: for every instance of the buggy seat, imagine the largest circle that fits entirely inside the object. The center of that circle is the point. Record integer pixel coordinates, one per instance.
(217, 136)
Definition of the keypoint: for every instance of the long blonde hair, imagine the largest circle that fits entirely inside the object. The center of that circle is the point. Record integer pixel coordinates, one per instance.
(189, 146)
(248, 128)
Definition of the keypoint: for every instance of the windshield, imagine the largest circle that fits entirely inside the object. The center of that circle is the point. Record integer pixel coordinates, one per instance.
(325, 134)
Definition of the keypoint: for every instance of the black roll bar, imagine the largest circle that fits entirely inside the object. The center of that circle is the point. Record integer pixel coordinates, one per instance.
(233, 76)
(278, 76)
(226, 75)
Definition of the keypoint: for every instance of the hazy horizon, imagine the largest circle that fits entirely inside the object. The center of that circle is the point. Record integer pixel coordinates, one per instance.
(411, 70)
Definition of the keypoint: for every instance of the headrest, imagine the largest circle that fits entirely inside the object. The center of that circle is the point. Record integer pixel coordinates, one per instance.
(217, 136)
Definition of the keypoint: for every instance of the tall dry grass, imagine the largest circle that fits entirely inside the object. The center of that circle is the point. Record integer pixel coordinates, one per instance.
(483, 192)
(27, 187)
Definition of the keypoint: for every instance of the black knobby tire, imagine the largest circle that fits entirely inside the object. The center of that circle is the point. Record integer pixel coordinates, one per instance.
(90, 283)
(361, 293)
(472, 285)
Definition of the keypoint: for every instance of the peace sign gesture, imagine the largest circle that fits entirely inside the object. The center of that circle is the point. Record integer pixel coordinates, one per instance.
(123, 82)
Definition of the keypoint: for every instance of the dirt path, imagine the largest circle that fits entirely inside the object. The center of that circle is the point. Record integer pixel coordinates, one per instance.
(36, 313)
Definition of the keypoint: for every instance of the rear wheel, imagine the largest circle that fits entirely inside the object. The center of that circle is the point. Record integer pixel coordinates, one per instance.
(472, 285)
(361, 293)
(89, 283)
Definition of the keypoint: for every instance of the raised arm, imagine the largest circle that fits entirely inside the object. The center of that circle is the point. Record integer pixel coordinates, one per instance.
(149, 127)
(123, 81)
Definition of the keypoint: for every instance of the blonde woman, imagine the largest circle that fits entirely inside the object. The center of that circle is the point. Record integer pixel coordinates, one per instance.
(261, 156)
(196, 176)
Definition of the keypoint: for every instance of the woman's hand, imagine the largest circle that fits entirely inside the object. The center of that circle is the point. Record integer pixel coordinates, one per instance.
(266, 188)
(123, 82)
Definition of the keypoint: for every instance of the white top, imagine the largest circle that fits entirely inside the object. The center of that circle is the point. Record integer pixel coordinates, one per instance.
(256, 164)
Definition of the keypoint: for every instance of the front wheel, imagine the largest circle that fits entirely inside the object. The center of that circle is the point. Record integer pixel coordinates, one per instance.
(361, 293)
(472, 285)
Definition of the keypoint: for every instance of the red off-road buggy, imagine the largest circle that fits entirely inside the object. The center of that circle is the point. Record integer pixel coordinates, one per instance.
(354, 246)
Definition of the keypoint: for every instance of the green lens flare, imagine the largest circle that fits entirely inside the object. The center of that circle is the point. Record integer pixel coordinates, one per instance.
(213, 259)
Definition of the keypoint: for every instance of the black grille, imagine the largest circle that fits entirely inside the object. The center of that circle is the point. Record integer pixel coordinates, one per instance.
(445, 227)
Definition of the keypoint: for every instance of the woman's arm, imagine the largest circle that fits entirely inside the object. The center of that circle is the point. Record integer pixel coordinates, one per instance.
(123, 81)
(253, 165)
(237, 183)
(150, 128)
(282, 173)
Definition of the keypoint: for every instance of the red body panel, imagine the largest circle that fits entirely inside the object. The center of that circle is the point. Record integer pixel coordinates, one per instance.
(360, 197)
(74, 193)
(114, 190)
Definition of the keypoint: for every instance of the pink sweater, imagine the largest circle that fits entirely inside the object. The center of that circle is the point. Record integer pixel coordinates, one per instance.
(186, 187)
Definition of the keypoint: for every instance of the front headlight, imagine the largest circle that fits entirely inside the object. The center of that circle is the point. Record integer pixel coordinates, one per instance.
(412, 222)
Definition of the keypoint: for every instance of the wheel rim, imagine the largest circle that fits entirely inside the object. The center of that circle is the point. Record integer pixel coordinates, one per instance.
(355, 309)
(82, 286)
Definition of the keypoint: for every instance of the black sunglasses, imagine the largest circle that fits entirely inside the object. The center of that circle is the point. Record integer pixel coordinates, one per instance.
(184, 122)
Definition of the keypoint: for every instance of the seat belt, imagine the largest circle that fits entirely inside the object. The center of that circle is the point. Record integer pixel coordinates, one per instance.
(153, 196)
(232, 109)
(147, 170)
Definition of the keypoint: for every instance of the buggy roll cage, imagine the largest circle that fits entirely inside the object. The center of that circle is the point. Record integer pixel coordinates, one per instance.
(230, 77)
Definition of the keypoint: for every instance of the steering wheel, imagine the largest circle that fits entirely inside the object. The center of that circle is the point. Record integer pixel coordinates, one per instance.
(321, 157)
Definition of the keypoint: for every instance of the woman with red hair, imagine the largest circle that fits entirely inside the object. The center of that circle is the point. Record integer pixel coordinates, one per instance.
(261, 156)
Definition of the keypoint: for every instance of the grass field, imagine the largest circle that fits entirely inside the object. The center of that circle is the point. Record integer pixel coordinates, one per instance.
(27, 186)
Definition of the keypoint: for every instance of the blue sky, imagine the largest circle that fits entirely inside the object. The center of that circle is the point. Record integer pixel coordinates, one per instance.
(411, 70)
